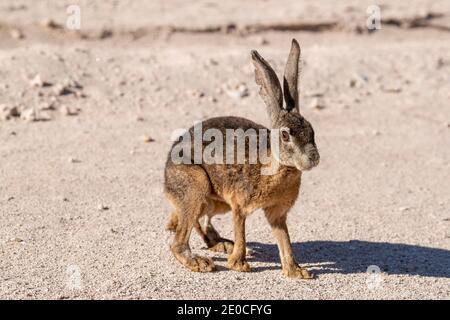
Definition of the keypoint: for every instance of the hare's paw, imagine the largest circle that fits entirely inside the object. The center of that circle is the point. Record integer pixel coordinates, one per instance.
(193, 262)
(223, 246)
(238, 265)
(297, 272)
(200, 264)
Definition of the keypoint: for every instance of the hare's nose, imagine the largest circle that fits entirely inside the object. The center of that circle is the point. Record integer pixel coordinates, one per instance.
(314, 157)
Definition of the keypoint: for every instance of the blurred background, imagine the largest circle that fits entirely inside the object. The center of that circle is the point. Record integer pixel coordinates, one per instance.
(91, 91)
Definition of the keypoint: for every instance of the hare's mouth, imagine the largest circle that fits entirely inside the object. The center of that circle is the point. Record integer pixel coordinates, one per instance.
(307, 163)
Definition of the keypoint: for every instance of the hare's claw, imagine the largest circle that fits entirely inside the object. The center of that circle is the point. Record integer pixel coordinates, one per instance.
(223, 246)
(239, 265)
(200, 264)
(298, 272)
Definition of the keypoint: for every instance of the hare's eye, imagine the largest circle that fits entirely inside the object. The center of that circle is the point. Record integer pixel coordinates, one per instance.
(285, 135)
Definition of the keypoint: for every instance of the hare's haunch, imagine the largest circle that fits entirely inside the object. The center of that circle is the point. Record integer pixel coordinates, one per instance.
(198, 190)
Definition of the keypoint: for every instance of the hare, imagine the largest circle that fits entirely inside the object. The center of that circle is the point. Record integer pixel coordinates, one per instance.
(198, 191)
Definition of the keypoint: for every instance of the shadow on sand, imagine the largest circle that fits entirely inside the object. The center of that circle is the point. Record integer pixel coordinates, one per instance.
(355, 256)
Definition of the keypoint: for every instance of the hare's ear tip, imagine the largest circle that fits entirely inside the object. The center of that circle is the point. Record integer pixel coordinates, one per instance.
(255, 55)
(295, 43)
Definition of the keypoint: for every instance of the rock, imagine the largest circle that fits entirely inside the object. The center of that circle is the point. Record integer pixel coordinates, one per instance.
(29, 115)
(316, 93)
(229, 28)
(102, 207)
(62, 90)
(262, 41)
(441, 63)
(80, 94)
(38, 82)
(212, 62)
(51, 24)
(376, 133)
(213, 99)
(357, 80)
(391, 87)
(317, 104)
(105, 34)
(18, 240)
(403, 209)
(195, 93)
(7, 112)
(16, 34)
(73, 160)
(66, 111)
(73, 84)
(238, 91)
(147, 139)
(46, 106)
(44, 116)
(68, 87)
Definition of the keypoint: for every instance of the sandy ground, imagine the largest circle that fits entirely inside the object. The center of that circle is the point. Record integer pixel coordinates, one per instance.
(81, 177)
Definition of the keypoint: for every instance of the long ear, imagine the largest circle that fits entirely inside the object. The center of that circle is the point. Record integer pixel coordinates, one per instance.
(270, 88)
(290, 80)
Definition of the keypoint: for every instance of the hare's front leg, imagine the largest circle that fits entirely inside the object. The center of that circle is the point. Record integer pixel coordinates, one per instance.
(277, 216)
(236, 260)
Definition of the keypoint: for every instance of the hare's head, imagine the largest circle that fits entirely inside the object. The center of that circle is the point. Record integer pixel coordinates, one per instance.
(297, 147)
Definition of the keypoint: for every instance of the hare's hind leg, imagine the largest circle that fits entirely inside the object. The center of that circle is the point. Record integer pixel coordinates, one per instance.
(188, 187)
(211, 237)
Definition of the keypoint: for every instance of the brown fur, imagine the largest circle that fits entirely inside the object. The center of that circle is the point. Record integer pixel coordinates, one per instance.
(200, 191)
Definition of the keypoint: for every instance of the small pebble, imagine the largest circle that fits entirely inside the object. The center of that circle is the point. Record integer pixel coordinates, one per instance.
(7, 112)
(16, 34)
(316, 104)
(44, 116)
(147, 139)
(48, 23)
(62, 90)
(38, 82)
(391, 88)
(28, 115)
(102, 207)
(195, 93)
(262, 41)
(66, 111)
(238, 92)
(213, 99)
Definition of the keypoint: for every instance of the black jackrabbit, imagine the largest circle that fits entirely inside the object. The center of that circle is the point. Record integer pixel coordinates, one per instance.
(199, 190)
